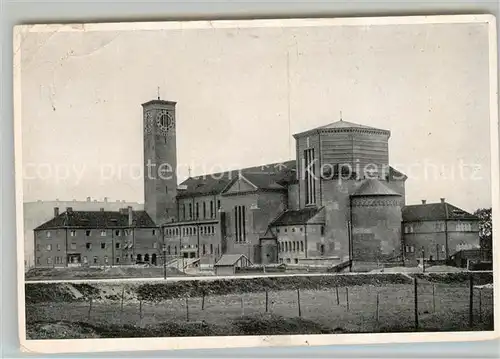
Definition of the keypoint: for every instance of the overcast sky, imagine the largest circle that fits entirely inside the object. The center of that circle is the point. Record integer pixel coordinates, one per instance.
(237, 91)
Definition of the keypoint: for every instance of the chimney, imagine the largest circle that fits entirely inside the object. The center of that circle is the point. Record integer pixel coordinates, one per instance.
(101, 209)
(88, 199)
(424, 201)
(69, 209)
(442, 200)
(130, 215)
(56, 211)
(105, 199)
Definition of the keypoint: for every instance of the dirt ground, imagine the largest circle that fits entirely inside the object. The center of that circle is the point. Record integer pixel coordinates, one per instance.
(441, 307)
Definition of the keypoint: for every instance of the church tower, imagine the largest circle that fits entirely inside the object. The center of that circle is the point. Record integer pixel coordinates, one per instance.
(160, 160)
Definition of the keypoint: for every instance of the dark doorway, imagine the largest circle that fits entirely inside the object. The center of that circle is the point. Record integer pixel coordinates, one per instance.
(139, 258)
(146, 257)
(153, 259)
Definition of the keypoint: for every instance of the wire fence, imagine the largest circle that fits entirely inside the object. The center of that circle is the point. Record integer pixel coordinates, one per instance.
(422, 306)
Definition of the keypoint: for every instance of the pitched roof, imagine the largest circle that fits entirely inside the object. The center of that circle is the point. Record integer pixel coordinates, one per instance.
(229, 259)
(433, 212)
(374, 187)
(269, 176)
(301, 216)
(269, 234)
(342, 125)
(98, 219)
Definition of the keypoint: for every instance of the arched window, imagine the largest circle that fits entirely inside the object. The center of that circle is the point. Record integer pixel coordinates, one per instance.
(286, 246)
(302, 246)
(139, 258)
(293, 246)
(146, 257)
(153, 259)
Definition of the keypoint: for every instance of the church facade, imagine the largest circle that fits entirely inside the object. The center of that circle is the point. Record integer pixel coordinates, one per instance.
(340, 200)
(339, 203)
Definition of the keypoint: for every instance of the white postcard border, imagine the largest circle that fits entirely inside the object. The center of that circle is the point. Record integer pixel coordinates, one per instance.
(150, 344)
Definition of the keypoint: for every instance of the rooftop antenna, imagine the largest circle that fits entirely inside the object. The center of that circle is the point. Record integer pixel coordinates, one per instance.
(340, 115)
(189, 171)
(158, 92)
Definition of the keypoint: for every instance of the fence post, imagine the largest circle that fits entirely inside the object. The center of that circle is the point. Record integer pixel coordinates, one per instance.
(187, 309)
(377, 306)
(298, 301)
(140, 313)
(415, 301)
(90, 307)
(121, 305)
(480, 305)
(242, 305)
(347, 297)
(203, 301)
(267, 301)
(337, 291)
(433, 298)
(471, 301)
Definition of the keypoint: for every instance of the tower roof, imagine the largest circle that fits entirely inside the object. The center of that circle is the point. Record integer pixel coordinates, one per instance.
(343, 125)
(159, 102)
(373, 187)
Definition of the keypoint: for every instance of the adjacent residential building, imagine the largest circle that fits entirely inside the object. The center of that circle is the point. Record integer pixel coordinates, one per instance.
(38, 212)
(97, 238)
(436, 231)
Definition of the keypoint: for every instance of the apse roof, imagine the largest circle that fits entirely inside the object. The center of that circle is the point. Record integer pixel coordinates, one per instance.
(374, 187)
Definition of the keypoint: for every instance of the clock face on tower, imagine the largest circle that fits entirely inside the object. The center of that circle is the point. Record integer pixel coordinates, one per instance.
(165, 122)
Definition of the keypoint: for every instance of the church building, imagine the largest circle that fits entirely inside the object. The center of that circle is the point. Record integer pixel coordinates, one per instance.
(339, 203)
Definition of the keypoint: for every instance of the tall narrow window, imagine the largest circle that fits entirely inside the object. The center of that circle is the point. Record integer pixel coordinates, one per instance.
(184, 211)
(190, 211)
(204, 210)
(309, 173)
(243, 222)
(236, 222)
(197, 210)
(239, 224)
(211, 209)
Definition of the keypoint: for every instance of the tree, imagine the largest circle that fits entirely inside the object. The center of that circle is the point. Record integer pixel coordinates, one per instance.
(485, 229)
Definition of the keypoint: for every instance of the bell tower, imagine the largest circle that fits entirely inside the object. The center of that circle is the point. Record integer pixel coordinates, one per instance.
(160, 160)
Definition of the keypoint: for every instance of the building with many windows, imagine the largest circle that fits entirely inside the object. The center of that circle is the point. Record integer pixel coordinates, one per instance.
(436, 231)
(338, 202)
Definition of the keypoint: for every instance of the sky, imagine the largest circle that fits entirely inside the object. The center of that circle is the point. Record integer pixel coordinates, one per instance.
(242, 93)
